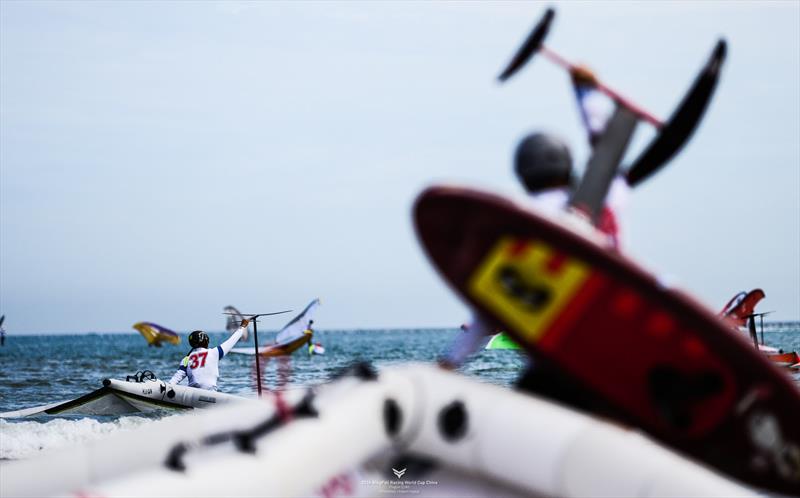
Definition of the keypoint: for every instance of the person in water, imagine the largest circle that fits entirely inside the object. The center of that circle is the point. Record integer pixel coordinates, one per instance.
(310, 331)
(201, 365)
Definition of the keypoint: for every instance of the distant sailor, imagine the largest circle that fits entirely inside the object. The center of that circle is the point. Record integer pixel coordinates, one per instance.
(310, 331)
(201, 365)
(472, 338)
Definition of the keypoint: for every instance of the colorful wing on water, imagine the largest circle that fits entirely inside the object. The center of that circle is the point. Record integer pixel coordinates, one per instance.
(156, 334)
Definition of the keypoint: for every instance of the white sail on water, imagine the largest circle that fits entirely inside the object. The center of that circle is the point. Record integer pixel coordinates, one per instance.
(234, 320)
(295, 328)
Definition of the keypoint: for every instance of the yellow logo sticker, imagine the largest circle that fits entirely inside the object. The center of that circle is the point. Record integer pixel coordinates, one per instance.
(527, 284)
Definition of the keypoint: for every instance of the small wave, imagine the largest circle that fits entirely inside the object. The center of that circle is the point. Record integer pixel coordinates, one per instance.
(26, 439)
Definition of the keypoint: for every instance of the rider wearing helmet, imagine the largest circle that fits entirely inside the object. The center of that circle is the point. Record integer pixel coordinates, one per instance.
(310, 332)
(201, 365)
(543, 162)
(543, 165)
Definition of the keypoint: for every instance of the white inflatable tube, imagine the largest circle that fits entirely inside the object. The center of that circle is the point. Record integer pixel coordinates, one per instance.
(543, 447)
(142, 394)
(71, 469)
(293, 461)
(118, 397)
(486, 432)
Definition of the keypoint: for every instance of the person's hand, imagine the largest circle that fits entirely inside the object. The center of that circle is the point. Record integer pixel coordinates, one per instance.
(245, 322)
(584, 75)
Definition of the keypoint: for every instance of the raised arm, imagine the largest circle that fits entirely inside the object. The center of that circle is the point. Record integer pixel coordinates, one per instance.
(226, 346)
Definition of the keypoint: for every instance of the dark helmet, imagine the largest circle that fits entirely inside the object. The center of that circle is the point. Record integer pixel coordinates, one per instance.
(543, 162)
(198, 339)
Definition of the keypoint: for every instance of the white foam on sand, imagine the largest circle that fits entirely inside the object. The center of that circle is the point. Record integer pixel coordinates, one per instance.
(26, 439)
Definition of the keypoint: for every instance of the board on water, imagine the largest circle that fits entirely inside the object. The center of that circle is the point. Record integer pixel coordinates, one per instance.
(501, 341)
(119, 397)
(692, 382)
(291, 337)
(276, 349)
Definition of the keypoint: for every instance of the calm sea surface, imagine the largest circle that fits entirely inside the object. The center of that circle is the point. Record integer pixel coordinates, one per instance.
(36, 370)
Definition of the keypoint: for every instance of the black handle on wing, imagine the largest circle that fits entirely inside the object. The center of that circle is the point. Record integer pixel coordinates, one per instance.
(677, 131)
(602, 167)
(531, 45)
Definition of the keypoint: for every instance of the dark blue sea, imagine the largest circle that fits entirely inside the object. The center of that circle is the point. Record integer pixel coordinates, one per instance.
(42, 369)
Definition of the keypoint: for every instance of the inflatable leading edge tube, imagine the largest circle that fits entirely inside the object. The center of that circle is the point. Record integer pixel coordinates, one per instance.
(500, 439)
(143, 394)
(123, 453)
(541, 447)
(292, 461)
(119, 397)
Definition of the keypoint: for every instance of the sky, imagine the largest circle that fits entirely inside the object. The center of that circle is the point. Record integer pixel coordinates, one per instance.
(161, 160)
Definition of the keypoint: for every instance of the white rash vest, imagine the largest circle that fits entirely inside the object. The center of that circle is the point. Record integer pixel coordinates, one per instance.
(201, 365)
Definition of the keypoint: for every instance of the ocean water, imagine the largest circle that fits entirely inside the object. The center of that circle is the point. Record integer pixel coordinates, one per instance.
(37, 370)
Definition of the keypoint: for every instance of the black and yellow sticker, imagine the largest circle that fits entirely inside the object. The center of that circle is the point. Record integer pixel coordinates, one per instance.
(527, 283)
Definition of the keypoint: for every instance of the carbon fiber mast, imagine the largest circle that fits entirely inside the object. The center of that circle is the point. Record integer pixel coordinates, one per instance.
(254, 320)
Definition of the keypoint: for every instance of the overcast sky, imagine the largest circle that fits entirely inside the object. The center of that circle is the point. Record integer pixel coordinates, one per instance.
(159, 161)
